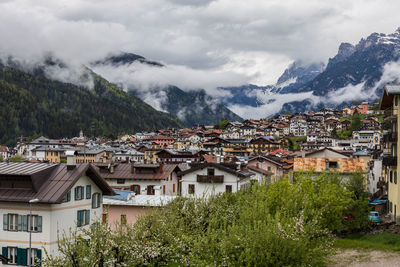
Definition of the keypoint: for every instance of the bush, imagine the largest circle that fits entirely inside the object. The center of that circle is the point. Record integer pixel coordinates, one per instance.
(279, 224)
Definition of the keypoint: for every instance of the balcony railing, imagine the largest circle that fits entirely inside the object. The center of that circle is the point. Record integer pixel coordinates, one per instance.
(387, 151)
(389, 160)
(390, 114)
(390, 137)
(210, 178)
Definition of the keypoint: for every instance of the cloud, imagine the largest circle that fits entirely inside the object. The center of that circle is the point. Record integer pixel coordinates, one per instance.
(253, 38)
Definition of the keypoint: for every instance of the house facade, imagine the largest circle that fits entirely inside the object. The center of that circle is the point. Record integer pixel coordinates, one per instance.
(64, 197)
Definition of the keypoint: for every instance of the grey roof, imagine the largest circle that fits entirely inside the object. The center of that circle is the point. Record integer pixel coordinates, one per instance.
(392, 89)
(49, 184)
(22, 168)
(140, 200)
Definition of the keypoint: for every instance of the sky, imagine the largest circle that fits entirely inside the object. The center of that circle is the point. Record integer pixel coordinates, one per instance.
(204, 43)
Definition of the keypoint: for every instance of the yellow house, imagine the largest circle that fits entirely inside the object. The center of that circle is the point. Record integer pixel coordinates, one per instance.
(90, 156)
(53, 155)
(390, 105)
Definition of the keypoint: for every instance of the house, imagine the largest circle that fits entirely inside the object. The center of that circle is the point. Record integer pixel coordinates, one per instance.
(171, 156)
(270, 167)
(161, 140)
(370, 136)
(129, 155)
(342, 166)
(205, 179)
(4, 153)
(125, 207)
(62, 197)
(90, 155)
(390, 105)
(263, 145)
(143, 179)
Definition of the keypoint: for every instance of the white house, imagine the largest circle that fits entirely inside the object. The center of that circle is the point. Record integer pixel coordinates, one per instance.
(63, 196)
(204, 179)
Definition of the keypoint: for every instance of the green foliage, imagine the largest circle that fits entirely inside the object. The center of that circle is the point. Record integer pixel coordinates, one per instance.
(278, 224)
(384, 241)
(295, 142)
(223, 123)
(16, 158)
(356, 123)
(344, 134)
(1, 158)
(32, 105)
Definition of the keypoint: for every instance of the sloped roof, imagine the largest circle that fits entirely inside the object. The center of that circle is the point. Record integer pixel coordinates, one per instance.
(55, 181)
(229, 168)
(345, 165)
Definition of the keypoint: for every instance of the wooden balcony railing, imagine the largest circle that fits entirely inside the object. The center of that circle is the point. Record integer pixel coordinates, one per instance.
(210, 178)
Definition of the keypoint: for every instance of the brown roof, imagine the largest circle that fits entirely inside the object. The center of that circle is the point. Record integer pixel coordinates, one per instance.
(124, 171)
(345, 165)
(229, 168)
(3, 149)
(254, 168)
(50, 183)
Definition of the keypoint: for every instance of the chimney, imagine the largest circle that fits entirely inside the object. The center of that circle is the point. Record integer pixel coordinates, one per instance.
(71, 159)
(218, 159)
(238, 165)
(112, 167)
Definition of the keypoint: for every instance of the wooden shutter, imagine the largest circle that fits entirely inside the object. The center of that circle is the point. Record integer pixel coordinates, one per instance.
(79, 218)
(39, 224)
(4, 252)
(39, 256)
(25, 223)
(76, 193)
(93, 202)
(5, 222)
(22, 256)
(19, 222)
(69, 195)
(82, 192)
(98, 199)
(87, 217)
(88, 192)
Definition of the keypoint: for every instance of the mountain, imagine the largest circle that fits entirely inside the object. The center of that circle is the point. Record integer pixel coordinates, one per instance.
(192, 107)
(33, 104)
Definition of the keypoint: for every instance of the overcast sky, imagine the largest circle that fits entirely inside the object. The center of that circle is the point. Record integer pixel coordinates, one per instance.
(252, 39)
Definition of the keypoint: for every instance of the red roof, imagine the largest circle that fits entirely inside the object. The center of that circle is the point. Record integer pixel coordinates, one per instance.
(278, 151)
(3, 149)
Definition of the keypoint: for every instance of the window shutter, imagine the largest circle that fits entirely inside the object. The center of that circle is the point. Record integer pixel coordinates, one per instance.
(39, 256)
(79, 223)
(4, 252)
(88, 192)
(82, 192)
(25, 223)
(93, 202)
(98, 199)
(5, 222)
(39, 224)
(19, 221)
(69, 195)
(22, 256)
(87, 217)
(76, 193)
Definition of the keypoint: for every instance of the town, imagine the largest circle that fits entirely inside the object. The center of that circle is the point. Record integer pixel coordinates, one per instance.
(62, 183)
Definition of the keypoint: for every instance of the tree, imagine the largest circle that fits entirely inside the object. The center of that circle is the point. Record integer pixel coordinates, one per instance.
(223, 123)
(356, 123)
(16, 158)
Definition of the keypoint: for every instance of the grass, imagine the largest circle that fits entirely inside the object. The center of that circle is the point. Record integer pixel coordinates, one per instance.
(385, 241)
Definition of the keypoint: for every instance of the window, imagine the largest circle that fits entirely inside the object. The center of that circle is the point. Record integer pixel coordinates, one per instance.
(123, 219)
(12, 255)
(210, 172)
(228, 188)
(96, 200)
(13, 222)
(36, 223)
(83, 217)
(135, 188)
(150, 190)
(79, 192)
(333, 165)
(391, 176)
(395, 177)
(32, 256)
(191, 189)
(67, 197)
(120, 181)
(173, 188)
(88, 191)
(269, 168)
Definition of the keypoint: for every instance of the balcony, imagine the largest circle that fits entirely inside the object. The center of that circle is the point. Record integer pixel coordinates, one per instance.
(387, 151)
(390, 137)
(389, 160)
(210, 178)
(390, 114)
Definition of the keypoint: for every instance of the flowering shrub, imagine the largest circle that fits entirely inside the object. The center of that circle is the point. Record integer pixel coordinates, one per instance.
(279, 224)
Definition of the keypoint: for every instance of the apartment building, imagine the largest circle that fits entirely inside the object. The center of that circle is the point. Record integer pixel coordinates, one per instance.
(390, 105)
(61, 197)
